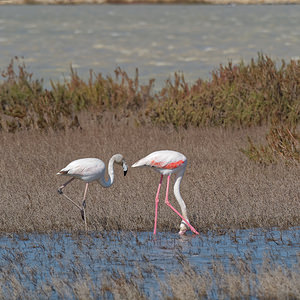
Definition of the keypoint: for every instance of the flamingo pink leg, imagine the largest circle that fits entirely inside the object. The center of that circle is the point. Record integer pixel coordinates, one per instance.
(156, 204)
(83, 213)
(169, 204)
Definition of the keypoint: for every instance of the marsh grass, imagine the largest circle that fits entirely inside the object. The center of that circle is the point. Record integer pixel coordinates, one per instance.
(221, 187)
(42, 131)
(237, 96)
(223, 190)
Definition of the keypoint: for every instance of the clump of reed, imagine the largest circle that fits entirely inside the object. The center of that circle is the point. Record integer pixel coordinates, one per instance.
(237, 96)
(25, 104)
(240, 95)
(282, 143)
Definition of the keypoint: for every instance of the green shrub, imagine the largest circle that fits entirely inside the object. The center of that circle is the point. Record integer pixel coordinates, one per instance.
(239, 95)
(282, 144)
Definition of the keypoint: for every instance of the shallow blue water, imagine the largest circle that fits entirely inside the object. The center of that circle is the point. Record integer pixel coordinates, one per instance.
(36, 259)
(157, 39)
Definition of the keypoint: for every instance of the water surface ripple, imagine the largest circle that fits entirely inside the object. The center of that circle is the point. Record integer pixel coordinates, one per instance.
(70, 257)
(157, 39)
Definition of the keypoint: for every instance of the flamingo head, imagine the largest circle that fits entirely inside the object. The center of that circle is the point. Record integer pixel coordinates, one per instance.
(119, 159)
(125, 167)
(183, 228)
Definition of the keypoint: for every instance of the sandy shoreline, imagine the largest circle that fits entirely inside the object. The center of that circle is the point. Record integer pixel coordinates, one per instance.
(224, 2)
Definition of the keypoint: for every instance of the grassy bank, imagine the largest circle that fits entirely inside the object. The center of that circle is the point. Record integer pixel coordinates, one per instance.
(218, 124)
(222, 188)
(261, 93)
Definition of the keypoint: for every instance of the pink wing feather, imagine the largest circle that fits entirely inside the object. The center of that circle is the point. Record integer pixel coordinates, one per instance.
(165, 159)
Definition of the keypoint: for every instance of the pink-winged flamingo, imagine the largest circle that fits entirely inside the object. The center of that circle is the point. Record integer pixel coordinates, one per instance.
(89, 170)
(167, 162)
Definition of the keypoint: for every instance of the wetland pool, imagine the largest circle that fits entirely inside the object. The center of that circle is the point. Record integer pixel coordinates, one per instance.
(36, 259)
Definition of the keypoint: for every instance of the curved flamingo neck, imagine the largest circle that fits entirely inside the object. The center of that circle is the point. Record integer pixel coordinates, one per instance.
(178, 195)
(111, 174)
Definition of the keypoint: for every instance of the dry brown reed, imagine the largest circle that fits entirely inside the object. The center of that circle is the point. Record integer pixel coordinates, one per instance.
(221, 187)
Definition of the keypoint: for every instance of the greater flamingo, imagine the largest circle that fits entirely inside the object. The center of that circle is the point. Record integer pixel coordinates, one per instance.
(167, 162)
(89, 170)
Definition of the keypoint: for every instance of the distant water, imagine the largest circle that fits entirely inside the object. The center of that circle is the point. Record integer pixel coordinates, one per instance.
(157, 39)
(36, 259)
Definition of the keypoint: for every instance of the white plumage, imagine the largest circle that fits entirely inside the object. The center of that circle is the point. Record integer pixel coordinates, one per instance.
(86, 169)
(89, 170)
(167, 162)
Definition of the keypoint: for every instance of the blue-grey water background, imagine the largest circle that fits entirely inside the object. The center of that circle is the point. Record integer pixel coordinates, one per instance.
(158, 40)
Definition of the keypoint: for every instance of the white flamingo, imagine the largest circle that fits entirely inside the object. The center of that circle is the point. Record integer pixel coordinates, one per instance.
(167, 162)
(89, 170)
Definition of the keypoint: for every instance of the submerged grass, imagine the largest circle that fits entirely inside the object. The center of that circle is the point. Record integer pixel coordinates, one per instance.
(270, 282)
(46, 268)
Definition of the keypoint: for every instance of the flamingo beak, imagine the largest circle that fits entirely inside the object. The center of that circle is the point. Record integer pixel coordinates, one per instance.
(125, 168)
(183, 228)
(182, 232)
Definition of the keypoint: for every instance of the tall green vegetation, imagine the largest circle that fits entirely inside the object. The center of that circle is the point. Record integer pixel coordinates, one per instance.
(282, 144)
(241, 95)
(237, 95)
(26, 104)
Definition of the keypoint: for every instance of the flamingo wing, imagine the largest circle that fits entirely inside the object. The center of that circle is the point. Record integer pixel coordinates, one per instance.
(164, 159)
(85, 167)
